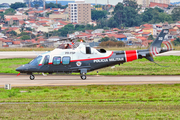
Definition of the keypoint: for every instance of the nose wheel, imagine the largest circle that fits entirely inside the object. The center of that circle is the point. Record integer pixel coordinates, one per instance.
(32, 77)
(83, 76)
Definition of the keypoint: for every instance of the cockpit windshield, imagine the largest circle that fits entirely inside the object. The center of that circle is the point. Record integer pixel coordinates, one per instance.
(36, 61)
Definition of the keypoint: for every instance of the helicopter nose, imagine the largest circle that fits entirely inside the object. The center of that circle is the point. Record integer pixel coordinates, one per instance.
(21, 68)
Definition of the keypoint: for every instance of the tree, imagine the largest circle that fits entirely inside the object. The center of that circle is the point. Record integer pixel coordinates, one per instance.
(119, 14)
(13, 33)
(126, 16)
(131, 3)
(176, 42)
(89, 27)
(106, 28)
(112, 44)
(176, 14)
(18, 5)
(36, 6)
(22, 34)
(32, 36)
(101, 23)
(67, 29)
(105, 39)
(80, 27)
(2, 17)
(155, 15)
(28, 29)
(25, 37)
(10, 11)
(150, 37)
(52, 5)
(112, 23)
(96, 14)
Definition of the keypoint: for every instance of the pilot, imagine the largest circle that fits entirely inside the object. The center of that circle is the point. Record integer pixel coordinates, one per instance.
(66, 46)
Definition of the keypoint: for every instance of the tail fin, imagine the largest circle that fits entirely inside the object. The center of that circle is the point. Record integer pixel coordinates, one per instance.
(155, 47)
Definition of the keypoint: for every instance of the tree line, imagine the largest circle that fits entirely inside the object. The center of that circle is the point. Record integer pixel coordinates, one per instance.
(127, 14)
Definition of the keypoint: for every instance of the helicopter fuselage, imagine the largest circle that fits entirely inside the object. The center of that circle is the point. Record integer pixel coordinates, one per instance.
(82, 59)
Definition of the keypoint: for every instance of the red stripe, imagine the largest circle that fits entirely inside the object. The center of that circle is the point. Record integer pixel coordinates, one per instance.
(131, 55)
(18, 74)
(170, 46)
(92, 58)
(156, 51)
(40, 65)
(153, 51)
(167, 46)
(50, 63)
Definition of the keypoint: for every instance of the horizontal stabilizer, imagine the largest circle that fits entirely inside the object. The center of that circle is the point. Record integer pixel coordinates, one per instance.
(150, 58)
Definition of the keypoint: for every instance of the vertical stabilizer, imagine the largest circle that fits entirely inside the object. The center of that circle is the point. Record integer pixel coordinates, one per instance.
(158, 41)
(155, 47)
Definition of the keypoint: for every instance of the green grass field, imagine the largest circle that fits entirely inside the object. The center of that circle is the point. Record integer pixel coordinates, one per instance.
(137, 67)
(92, 102)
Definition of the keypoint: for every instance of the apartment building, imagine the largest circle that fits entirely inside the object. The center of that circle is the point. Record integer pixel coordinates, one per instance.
(79, 12)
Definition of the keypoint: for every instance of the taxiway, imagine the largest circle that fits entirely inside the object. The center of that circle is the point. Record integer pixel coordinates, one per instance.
(66, 80)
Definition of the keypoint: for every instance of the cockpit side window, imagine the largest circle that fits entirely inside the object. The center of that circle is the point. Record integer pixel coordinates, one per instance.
(46, 60)
(56, 60)
(36, 61)
(66, 60)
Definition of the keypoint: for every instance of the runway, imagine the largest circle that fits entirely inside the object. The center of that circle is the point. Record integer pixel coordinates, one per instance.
(73, 80)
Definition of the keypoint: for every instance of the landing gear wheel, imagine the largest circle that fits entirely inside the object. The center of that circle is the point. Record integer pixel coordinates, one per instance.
(83, 77)
(32, 77)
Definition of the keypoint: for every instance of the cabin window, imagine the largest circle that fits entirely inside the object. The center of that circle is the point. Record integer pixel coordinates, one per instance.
(46, 60)
(56, 60)
(36, 61)
(88, 50)
(66, 60)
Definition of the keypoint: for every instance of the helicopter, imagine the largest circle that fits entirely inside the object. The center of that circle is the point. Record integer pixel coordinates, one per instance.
(84, 58)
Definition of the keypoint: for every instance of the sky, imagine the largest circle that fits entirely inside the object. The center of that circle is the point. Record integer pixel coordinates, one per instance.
(113, 2)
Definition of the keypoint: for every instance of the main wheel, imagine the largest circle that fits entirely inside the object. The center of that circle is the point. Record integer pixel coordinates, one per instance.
(83, 77)
(32, 77)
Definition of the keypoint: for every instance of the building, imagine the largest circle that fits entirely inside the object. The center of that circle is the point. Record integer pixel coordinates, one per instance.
(160, 5)
(59, 16)
(79, 12)
(19, 17)
(146, 3)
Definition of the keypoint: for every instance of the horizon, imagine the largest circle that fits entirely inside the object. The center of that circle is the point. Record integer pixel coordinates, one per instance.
(114, 2)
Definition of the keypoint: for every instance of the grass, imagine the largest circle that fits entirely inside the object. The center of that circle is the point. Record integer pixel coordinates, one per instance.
(129, 93)
(145, 67)
(92, 102)
(9, 65)
(90, 111)
(137, 67)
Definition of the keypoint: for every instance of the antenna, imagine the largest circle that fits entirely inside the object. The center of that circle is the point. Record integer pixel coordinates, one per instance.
(96, 2)
(29, 3)
(56, 1)
(44, 4)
